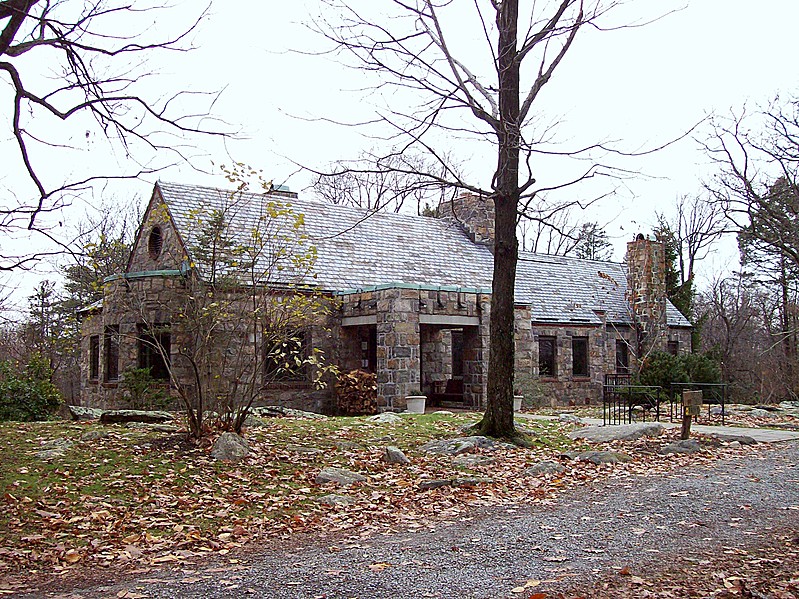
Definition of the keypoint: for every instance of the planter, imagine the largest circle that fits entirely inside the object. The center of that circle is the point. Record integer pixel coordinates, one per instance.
(517, 403)
(415, 404)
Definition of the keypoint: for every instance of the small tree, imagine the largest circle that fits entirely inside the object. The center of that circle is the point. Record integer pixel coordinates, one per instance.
(26, 392)
(241, 325)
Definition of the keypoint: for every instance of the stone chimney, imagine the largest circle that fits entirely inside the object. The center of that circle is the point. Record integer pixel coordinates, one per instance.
(646, 285)
(474, 213)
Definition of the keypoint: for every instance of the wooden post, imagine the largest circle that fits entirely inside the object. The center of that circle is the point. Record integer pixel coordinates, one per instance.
(691, 406)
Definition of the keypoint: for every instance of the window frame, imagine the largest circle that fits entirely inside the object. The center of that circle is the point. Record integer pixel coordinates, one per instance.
(148, 356)
(543, 371)
(94, 358)
(586, 372)
(111, 338)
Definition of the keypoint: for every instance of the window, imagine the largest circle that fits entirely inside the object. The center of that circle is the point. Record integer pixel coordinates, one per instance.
(580, 356)
(546, 357)
(457, 353)
(94, 357)
(286, 358)
(622, 357)
(155, 345)
(111, 353)
(155, 242)
(673, 347)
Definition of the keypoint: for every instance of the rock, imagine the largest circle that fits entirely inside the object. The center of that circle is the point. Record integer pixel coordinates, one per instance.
(60, 444)
(254, 422)
(273, 411)
(230, 447)
(339, 476)
(347, 445)
(49, 454)
(761, 413)
(570, 418)
(471, 481)
(458, 446)
(466, 481)
(599, 457)
(159, 428)
(472, 460)
(333, 499)
(434, 483)
(81, 413)
(548, 467)
(385, 418)
(304, 450)
(443, 413)
(717, 411)
(681, 446)
(394, 455)
(624, 432)
(734, 445)
(93, 435)
(742, 439)
(147, 416)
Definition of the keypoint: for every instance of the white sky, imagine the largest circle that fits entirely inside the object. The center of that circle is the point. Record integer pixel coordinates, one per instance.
(638, 86)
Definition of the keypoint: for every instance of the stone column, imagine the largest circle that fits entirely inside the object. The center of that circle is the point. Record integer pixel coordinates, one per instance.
(397, 345)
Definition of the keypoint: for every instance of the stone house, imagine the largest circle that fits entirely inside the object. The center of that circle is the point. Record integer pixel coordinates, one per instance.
(411, 298)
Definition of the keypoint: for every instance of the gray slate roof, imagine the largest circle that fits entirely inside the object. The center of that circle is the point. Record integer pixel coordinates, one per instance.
(357, 249)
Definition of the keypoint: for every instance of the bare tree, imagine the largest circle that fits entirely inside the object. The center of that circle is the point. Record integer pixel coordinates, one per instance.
(381, 183)
(757, 184)
(418, 50)
(82, 63)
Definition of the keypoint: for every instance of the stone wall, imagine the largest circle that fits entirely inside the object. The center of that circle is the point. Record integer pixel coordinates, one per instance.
(474, 213)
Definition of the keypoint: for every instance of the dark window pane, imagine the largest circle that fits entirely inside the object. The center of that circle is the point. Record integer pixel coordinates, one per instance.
(673, 347)
(580, 356)
(111, 346)
(457, 354)
(94, 357)
(155, 345)
(622, 357)
(546, 357)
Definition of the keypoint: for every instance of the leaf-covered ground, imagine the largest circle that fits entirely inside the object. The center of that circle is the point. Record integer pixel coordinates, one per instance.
(130, 498)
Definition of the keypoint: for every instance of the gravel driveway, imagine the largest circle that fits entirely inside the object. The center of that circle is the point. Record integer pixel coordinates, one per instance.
(625, 521)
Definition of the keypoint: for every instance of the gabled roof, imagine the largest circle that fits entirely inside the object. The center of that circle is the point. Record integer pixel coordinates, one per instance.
(358, 249)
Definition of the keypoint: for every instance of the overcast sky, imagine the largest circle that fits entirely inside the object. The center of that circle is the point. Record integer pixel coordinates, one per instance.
(639, 87)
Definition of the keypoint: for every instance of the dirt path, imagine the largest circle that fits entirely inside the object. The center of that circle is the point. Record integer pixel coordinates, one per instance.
(645, 525)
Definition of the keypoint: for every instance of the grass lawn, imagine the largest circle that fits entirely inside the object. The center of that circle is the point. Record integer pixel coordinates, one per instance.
(131, 497)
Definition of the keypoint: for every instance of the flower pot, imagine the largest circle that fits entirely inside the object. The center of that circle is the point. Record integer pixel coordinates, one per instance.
(415, 404)
(517, 403)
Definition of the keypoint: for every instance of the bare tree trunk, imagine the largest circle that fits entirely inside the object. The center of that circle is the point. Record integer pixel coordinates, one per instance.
(498, 419)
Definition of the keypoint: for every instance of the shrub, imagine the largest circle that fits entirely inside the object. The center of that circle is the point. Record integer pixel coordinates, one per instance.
(142, 390)
(662, 369)
(356, 393)
(27, 393)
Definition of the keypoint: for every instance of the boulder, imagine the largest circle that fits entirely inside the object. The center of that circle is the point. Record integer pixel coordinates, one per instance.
(599, 457)
(459, 446)
(385, 418)
(547, 467)
(681, 446)
(742, 439)
(570, 418)
(340, 476)
(333, 499)
(146, 416)
(761, 413)
(394, 455)
(81, 413)
(472, 460)
(273, 411)
(623, 432)
(230, 447)
(93, 435)
(434, 483)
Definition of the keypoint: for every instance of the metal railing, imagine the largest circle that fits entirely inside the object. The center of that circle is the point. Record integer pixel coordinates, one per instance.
(712, 394)
(622, 401)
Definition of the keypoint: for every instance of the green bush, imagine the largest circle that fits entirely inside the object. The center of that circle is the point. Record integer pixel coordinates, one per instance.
(27, 393)
(143, 391)
(662, 369)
